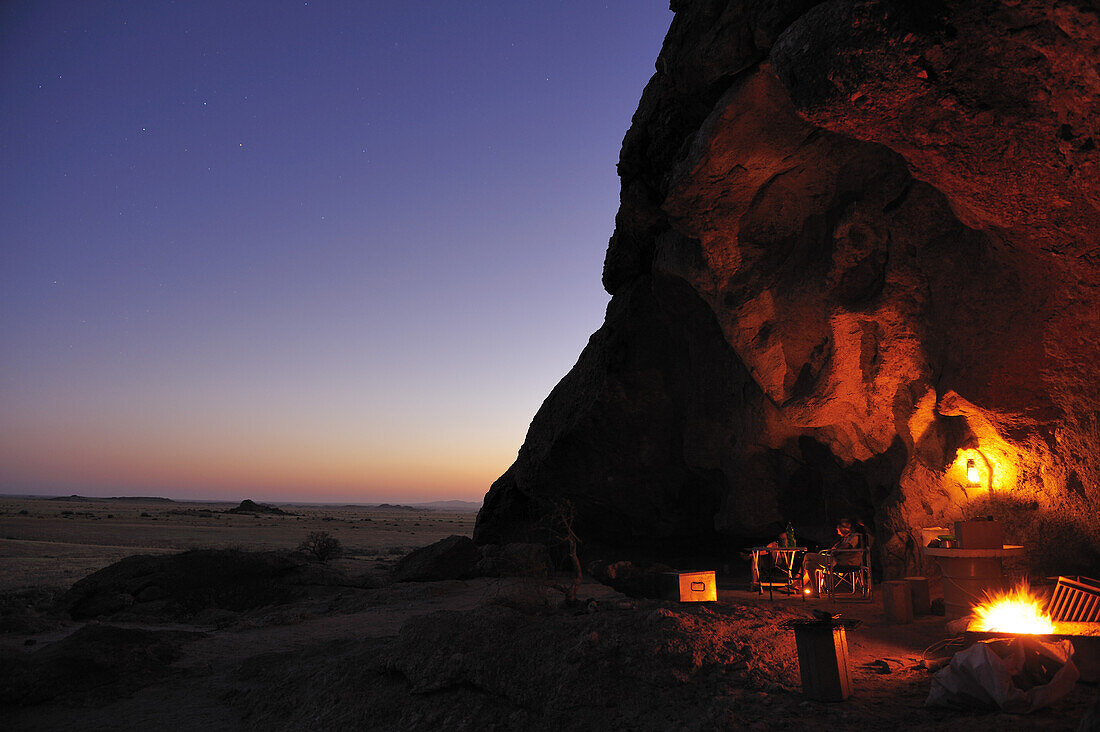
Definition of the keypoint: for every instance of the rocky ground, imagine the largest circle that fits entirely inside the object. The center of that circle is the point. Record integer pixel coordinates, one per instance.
(324, 649)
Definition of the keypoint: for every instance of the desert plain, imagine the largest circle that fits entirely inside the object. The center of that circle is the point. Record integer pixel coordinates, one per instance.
(352, 643)
(52, 542)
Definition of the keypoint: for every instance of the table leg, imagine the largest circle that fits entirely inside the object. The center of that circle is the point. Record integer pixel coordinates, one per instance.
(754, 582)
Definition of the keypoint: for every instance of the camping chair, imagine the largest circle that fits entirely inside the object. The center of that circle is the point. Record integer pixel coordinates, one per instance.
(850, 579)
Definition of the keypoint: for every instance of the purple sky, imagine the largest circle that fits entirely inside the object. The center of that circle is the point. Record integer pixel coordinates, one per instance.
(329, 251)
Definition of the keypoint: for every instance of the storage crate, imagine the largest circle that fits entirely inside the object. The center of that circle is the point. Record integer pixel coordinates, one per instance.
(689, 586)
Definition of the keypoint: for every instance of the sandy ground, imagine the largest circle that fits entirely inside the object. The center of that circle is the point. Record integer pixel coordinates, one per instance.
(54, 543)
(218, 671)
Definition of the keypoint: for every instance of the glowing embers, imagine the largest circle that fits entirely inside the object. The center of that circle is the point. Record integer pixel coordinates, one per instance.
(1012, 611)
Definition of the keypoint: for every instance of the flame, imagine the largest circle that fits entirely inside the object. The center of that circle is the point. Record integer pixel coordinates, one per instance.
(1012, 611)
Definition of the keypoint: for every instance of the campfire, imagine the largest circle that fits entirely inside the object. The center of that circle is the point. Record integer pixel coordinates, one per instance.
(1073, 613)
(1013, 611)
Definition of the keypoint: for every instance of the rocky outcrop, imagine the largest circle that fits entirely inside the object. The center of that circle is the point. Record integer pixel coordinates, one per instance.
(856, 248)
(455, 557)
(251, 507)
(179, 586)
(515, 560)
(458, 557)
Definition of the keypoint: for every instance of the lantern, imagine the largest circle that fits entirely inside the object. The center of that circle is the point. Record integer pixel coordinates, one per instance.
(971, 472)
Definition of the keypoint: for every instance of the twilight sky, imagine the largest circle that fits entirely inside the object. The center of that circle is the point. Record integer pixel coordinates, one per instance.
(300, 250)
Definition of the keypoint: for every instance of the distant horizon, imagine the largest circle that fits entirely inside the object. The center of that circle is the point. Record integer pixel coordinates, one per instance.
(234, 501)
(260, 496)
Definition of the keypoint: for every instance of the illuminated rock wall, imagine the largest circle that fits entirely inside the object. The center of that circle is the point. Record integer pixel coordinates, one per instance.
(857, 246)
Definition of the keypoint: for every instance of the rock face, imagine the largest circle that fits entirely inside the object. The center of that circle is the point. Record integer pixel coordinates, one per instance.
(857, 248)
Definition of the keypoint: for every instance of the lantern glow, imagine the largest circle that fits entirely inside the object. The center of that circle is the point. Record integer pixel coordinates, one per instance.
(971, 472)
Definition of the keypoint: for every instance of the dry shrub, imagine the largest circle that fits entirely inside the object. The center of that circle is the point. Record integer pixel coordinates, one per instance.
(322, 546)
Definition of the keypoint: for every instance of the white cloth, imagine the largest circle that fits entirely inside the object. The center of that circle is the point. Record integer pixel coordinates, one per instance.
(978, 677)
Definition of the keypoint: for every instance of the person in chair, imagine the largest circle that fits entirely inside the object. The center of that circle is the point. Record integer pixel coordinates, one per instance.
(844, 554)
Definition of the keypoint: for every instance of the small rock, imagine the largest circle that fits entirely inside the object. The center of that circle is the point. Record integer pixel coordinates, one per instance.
(879, 666)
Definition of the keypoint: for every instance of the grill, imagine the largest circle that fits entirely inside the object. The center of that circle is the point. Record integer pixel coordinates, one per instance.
(1075, 609)
(1075, 601)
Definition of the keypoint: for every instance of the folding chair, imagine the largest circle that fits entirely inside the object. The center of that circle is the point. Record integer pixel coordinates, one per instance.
(853, 580)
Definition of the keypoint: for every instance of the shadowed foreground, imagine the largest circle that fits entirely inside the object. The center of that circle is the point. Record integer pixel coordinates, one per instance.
(332, 651)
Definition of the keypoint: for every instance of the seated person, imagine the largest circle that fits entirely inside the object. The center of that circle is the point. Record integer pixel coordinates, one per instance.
(772, 563)
(845, 553)
(848, 549)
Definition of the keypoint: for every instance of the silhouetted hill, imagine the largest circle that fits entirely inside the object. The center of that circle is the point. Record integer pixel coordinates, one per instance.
(120, 499)
(250, 506)
(470, 506)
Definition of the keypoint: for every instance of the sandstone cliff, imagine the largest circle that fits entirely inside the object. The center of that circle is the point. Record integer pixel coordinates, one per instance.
(857, 247)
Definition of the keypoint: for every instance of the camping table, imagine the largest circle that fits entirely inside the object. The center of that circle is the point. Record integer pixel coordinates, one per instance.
(968, 574)
(784, 560)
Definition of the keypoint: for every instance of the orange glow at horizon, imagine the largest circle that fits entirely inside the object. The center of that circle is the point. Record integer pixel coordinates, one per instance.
(218, 463)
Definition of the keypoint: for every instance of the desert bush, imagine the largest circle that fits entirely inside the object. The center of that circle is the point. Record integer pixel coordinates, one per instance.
(322, 546)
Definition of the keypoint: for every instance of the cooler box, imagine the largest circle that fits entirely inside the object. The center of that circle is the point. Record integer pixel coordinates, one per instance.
(689, 586)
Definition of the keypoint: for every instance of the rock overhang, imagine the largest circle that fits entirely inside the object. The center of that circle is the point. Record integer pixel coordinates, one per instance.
(843, 263)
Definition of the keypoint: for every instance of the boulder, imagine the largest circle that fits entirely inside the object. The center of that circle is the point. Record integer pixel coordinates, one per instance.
(515, 560)
(184, 584)
(629, 578)
(455, 557)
